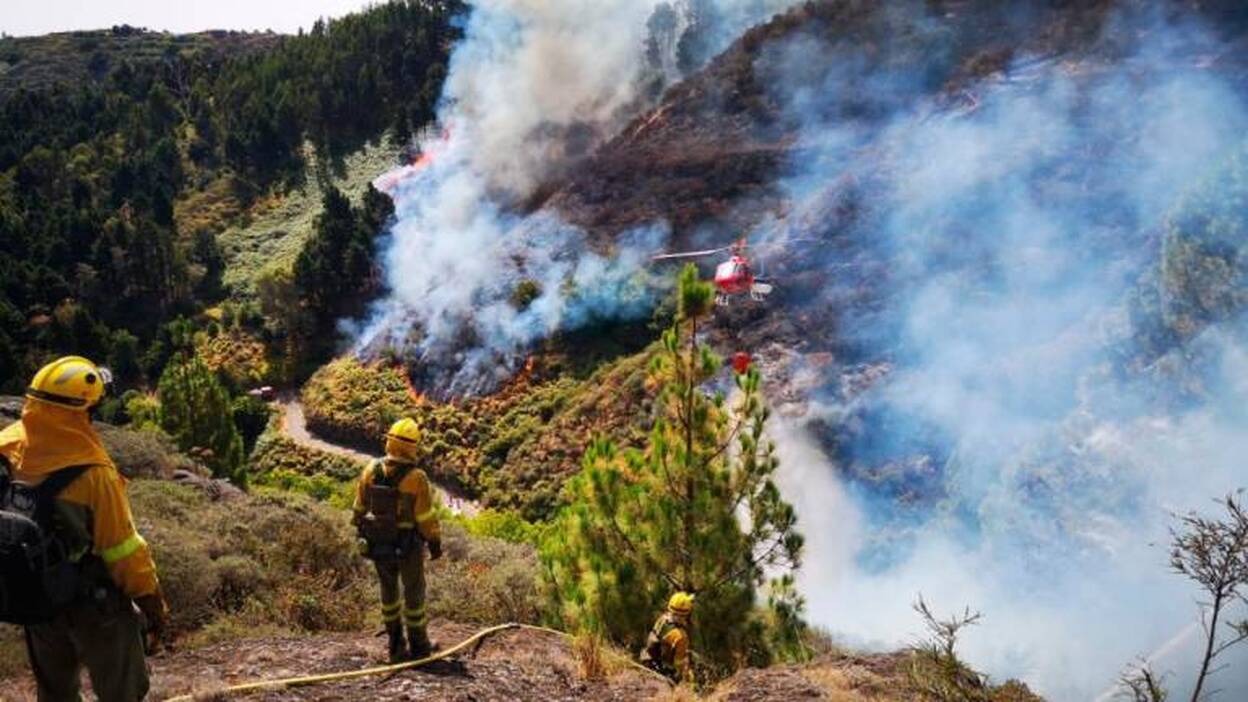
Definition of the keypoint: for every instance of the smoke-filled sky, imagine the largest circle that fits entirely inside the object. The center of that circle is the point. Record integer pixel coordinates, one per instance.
(22, 18)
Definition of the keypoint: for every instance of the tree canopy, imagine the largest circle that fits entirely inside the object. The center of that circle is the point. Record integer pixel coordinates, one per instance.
(92, 169)
(695, 510)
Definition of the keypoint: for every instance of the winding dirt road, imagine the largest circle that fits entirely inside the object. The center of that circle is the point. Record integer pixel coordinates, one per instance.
(295, 426)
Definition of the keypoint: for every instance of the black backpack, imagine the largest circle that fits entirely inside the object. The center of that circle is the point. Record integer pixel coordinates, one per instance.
(38, 576)
(380, 529)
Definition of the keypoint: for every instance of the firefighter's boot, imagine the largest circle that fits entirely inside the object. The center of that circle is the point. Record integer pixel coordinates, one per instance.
(422, 647)
(398, 647)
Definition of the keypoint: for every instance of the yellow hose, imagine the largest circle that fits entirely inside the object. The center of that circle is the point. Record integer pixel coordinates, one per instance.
(381, 670)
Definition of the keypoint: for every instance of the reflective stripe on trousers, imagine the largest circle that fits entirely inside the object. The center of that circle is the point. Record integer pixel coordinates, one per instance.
(409, 572)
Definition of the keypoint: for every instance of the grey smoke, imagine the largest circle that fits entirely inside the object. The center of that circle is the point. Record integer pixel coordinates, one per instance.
(1012, 228)
(531, 89)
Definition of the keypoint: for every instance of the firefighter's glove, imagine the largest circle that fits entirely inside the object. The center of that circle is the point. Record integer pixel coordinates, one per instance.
(435, 549)
(155, 619)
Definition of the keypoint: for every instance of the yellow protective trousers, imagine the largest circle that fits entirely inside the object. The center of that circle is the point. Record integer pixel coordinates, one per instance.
(405, 608)
(106, 638)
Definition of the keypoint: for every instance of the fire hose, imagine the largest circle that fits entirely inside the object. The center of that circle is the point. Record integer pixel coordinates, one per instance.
(385, 669)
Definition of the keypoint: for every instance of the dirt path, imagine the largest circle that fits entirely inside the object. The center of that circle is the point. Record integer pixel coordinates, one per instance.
(295, 426)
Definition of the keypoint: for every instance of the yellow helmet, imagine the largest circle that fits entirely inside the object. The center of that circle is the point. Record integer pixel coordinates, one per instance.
(680, 603)
(406, 429)
(403, 439)
(72, 381)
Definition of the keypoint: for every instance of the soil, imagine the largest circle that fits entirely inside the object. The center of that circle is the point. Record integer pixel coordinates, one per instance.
(512, 665)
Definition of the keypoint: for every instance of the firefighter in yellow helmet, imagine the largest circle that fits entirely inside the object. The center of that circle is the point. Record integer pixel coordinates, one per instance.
(94, 623)
(395, 515)
(667, 646)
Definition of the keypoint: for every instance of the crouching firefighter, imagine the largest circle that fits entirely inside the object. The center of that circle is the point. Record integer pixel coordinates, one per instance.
(395, 517)
(667, 646)
(72, 566)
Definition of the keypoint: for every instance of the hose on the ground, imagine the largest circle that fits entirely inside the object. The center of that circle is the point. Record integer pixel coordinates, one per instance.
(384, 669)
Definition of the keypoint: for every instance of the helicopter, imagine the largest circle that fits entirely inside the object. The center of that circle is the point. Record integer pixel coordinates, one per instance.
(733, 277)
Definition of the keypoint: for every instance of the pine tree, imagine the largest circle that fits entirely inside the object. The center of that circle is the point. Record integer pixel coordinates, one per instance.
(695, 510)
(196, 411)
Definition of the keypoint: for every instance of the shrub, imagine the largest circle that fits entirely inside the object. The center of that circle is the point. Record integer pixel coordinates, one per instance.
(239, 358)
(145, 453)
(142, 409)
(318, 486)
(251, 417)
(271, 557)
(525, 292)
(515, 449)
(505, 525)
(195, 410)
(483, 580)
(355, 403)
(276, 453)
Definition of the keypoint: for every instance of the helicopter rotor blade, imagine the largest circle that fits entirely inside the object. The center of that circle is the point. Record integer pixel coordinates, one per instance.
(688, 254)
(782, 243)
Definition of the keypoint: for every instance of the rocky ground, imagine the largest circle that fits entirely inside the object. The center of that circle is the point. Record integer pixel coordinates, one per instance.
(524, 665)
(513, 665)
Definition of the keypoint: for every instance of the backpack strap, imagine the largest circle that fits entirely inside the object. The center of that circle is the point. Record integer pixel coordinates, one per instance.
(401, 473)
(390, 481)
(52, 486)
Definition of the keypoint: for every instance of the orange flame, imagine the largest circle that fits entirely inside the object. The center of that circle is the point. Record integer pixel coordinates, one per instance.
(389, 181)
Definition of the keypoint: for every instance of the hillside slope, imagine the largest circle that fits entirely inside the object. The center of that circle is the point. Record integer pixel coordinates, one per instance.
(712, 152)
(76, 58)
(514, 666)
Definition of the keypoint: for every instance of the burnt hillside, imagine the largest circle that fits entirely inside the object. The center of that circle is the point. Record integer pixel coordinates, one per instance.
(712, 150)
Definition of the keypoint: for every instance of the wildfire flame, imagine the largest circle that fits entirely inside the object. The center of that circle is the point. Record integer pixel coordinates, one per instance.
(389, 181)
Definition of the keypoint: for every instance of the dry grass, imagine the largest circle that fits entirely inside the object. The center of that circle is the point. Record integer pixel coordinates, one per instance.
(591, 664)
(681, 694)
(240, 357)
(851, 684)
(273, 231)
(213, 207)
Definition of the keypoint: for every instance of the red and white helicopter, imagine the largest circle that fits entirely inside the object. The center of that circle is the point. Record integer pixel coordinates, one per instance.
(733, 277)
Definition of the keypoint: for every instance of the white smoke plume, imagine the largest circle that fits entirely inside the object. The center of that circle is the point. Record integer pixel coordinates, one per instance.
(532, 88)
(1018, 227)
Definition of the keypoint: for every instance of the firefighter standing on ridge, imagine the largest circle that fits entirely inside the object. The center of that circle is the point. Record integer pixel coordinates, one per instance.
(395, 516)
(99, 628)
(667, 646)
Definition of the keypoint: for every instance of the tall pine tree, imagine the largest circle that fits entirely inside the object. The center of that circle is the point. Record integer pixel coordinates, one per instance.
(695, 510)
(196, 411)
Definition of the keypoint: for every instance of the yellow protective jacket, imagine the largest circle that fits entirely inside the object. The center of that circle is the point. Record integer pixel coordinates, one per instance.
(667, 648)
(415, 499)
(49, 437)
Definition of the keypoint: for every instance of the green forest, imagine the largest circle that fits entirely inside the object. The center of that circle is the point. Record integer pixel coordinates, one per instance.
(105, 165)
